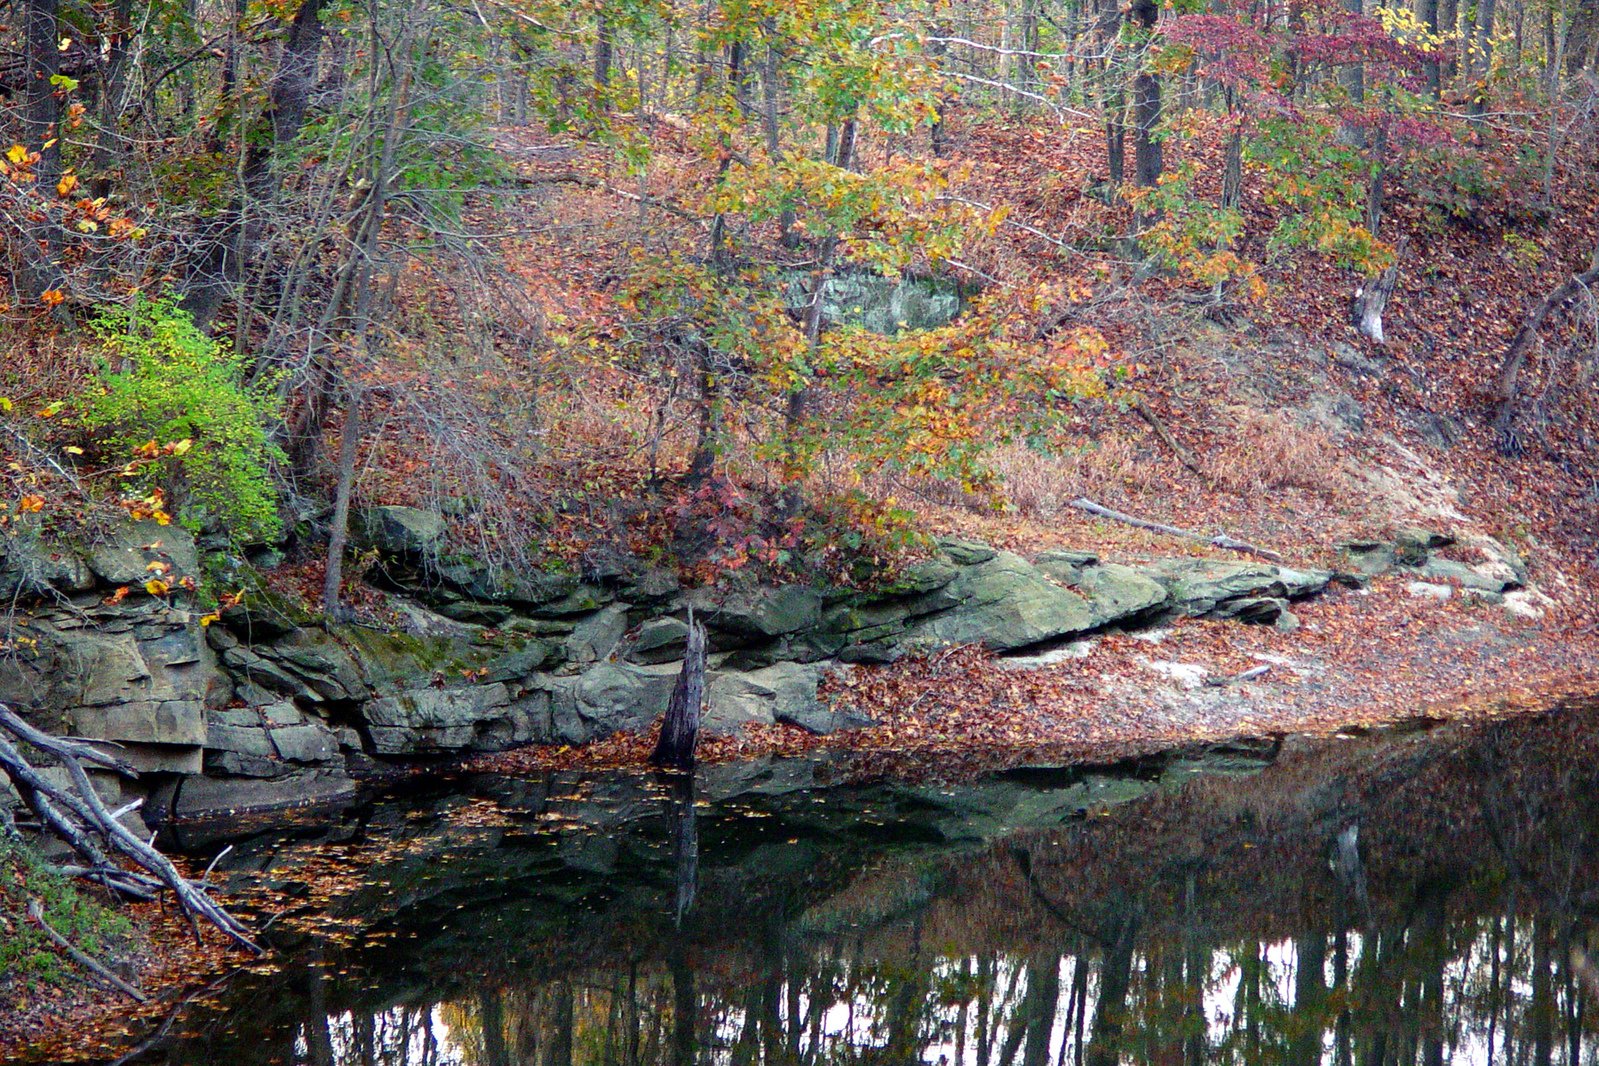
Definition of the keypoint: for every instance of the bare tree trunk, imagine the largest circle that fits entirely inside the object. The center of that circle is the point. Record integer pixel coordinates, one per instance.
(1371, 299)
(338, 535)
(1146, 103)
(1427, 13)
(213, 277)
(42, 115)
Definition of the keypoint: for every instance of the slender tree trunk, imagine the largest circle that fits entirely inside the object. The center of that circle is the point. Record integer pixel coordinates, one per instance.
(41, 125)
(1427, 14)
(338, 535)
(1146, 101)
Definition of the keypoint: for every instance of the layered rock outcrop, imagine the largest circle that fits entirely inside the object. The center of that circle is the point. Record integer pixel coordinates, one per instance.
(269, 705)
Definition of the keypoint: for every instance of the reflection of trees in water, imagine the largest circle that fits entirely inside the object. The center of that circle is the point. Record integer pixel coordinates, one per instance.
(1238, 922)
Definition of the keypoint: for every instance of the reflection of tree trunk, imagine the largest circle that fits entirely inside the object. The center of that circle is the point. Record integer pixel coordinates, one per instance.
(1035, 1018)
(559, 1050)
(1310, 997)
(905, 1010)
(1104, 1043)
(318, 1038)
(683, 828)
(1341, 983)
(491, 1019)
(685, 1008)
(1542, 1013)
(1079, 1008)
(1196, 965)
(1431, 952)
(985, 999)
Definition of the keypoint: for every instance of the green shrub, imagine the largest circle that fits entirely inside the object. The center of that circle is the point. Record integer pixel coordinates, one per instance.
(165, 381)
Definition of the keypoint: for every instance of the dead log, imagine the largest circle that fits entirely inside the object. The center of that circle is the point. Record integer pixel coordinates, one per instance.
(1220, 540)
(79, 818)
(680, 728)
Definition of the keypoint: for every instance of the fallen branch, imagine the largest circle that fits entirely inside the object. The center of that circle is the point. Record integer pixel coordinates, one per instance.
(1220, 540)
(81, 957)
(1154, 422)
(81, 819)
(1239, 678)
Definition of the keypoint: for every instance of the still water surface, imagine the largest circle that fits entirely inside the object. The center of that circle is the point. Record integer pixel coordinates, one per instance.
(1420, 897)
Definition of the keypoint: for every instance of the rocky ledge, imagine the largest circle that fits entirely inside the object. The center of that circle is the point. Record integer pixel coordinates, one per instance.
(270, 706)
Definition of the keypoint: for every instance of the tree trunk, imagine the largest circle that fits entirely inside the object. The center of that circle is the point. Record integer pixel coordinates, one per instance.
(1427, 14)
(212, 279)
(338, 535)
(1146, 102)
(680, 728)
(41, 118)
(1371, 299)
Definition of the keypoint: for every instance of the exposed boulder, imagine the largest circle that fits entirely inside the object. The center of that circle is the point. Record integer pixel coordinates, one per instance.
(597, 635)
(402, 532)
(124, 554)
(276, 740)
(33, 565)
(1004, 603)
(754, 612)
(659, 640)
(432, 721)
(1368, 558)
(781, 692)
(136, 673)
(608, 697)
(1202, 587)
(1413, 544)
(1115, 593)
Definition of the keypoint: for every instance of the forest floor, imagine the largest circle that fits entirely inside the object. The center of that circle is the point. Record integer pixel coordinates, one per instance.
(71, 1017)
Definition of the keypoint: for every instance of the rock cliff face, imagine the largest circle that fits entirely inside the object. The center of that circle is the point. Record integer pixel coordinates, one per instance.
(269, 706)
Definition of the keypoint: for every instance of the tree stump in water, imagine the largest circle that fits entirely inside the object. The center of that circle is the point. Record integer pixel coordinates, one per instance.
(680, 729)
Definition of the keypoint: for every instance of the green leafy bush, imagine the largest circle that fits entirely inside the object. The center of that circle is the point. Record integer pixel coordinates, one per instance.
(165, 382)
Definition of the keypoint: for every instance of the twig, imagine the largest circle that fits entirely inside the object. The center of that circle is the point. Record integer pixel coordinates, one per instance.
(1220, 540)
(81, 957)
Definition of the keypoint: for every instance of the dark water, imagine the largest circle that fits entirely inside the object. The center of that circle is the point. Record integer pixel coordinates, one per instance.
(1424, 897)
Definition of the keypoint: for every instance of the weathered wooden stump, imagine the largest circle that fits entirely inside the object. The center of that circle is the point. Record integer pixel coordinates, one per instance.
(680, 728)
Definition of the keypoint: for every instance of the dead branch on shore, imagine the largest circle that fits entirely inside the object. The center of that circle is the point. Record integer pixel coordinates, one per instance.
(1220, 540)
(81, 957)
(79, 818)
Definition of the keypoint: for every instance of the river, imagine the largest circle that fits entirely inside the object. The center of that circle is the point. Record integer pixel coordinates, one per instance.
(1421, 895)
